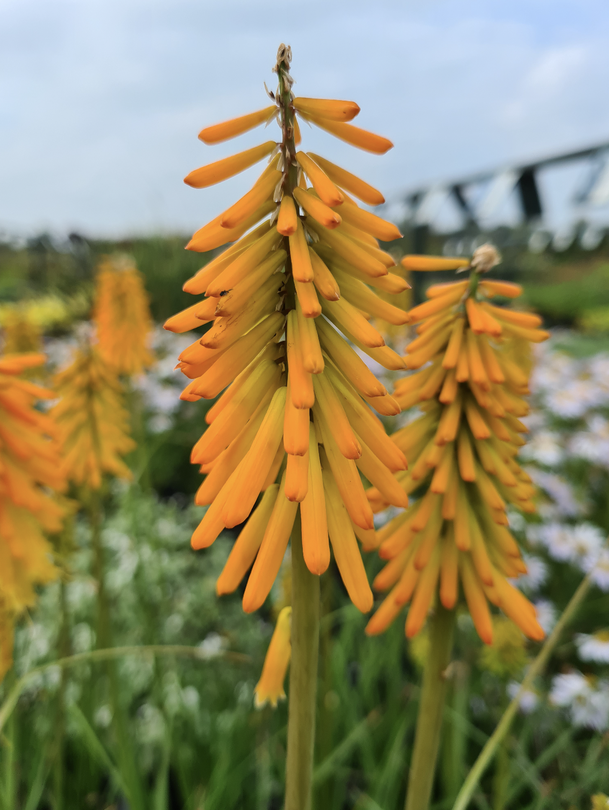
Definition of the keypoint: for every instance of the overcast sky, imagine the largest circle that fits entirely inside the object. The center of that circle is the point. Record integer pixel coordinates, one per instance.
(101, 100)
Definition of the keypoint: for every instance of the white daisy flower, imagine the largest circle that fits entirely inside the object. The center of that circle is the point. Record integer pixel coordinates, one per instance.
(537, 574)
(546, 614)
(586, 698)
(576, 544)
(558, 489)
(593, 647)
(544, 447)
(598, 566)
(566, 688)
(528, 700)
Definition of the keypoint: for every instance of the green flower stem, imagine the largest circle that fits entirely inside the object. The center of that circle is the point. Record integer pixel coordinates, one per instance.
(9, 759)
(303, 679)
(93, 656)
(536, 668)
(431, 708)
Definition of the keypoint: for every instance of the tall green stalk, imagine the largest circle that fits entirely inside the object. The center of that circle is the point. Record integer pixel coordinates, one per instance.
(536, 668)
(431, 708)
(303, 679)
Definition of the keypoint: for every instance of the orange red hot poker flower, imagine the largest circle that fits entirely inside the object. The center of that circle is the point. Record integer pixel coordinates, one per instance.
(462, 452)
(292, 423)
(122, 316)
(93, 420)
(29, 473)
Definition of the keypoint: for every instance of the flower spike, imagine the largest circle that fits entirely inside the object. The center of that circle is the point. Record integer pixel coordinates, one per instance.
(292, 429)
(30, 474)
(463, 450)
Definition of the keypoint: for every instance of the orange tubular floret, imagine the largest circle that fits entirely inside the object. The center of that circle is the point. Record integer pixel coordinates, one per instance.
(348, 250)
(434, 306)
(328, 192)
(528, 320)
(477, 371)
(295, 427)
(310, 350)
(330, 109)
(244, 264)
(476, 601)
(346, 477)
(251, 203)
(362, 190)
(475, 316)
(360, 138)
(302, 392)
(269, 559)
(317, 209)
(440, 289)
(228, 167)
(344, 545)
(370, 223)
(307, 299)
(299, 252)
(236, 126)
(503, 288)
(297, 477)
(247, 544)
(287, 221)
(315, 543)
(423, 595)
(214, 234)
(334, 415)
(425, 263)
(323, 279)
(449, 572)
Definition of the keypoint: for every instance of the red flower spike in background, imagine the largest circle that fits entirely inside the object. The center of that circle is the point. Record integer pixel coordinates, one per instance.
(292, 423)
(462, 451)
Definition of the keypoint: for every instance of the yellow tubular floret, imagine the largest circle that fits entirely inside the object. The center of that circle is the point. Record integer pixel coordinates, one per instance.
(346, 476)
(370, 223)
(315, 545)
(215, 234)
(433, 263)
(235, 299)
(331, 109)
(301, 260)
(295, 426)
(344, 545)
(247, 544)
(328, 192)
(310, 350)
(324, 281)
(269, 688)
(300, 379)
(334, 415)
(228, 167)
(236, 126)
(272, 549)
(287, 222)
(243, 264)
(251, 203)
(344, 179)
(353, 135)
(253, 469)
(313, 206)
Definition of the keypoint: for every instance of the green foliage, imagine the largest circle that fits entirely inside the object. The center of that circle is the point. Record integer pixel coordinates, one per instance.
(567, 301)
